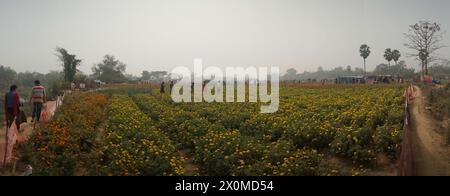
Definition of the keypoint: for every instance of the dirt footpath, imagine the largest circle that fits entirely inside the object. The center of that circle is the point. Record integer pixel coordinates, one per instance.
(431, 155)
(26, 129)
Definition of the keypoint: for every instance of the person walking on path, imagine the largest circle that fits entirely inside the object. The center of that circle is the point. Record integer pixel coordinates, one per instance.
(37, 98)
(11, 105)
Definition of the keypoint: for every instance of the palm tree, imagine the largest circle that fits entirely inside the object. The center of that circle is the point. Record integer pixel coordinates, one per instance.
(388, 56)
(396, 56)
(364, 51)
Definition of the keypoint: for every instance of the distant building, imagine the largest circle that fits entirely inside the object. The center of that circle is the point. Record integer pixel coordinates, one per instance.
(99, 82)
(384, 79)
(373, 79)
(351, 80)
(82, 86)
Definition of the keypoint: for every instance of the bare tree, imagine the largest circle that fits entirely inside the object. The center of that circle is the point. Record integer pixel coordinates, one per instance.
(424, 38)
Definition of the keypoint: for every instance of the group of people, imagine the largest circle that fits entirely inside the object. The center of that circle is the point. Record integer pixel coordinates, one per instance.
(163, 87)
(13, 104)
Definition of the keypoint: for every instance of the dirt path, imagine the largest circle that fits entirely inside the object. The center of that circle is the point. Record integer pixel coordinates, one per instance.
(431, 155)
(190, 168)
(26, 129)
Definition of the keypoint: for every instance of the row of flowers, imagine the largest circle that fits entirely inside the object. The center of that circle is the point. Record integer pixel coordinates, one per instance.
(133, 145)
(218, 150)
(62, 145)
(314, 130)
(313, 125)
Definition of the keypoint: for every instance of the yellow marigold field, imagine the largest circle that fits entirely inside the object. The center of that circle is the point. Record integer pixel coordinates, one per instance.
(354, 124)
(61, 146)
(318, 131)
(133, 146)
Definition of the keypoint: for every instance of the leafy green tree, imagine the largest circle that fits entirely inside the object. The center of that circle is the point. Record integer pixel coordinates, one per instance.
(440, 69)
(110, 70)
(145, 75)
(27, 78)
(398, 70)
(349, 68)
(81, 78)
(320, 69)
(158, 75)
(359, 71)
(291, 74)
(7, 77)
(321, 74)
(69, 62)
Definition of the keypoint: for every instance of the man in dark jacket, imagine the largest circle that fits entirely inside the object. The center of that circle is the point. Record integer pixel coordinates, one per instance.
(11, 105)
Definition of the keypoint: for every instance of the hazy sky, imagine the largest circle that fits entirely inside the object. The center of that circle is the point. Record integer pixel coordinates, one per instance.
(162, 34)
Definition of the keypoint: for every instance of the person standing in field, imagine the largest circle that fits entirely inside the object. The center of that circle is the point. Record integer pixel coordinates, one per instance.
(37, 98)
(163, 85)
(171, 86)
(11, 105)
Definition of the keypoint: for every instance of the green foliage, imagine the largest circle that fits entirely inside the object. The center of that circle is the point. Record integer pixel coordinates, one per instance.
(388, 55)
(399, 69)
(145, 75)
(324, 74)
(110, 70)
(69, 62)
(55, 89)
(154, 75)
(25, 81)
(396, 55)
(439, 98)
(440, 70)
(8, 77)
(364, 51)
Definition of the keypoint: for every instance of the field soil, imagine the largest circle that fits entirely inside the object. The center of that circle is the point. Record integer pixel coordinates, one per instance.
(430, 153)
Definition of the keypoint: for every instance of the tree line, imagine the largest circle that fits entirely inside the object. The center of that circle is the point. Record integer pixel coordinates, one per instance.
(109, 70)
(423, 38)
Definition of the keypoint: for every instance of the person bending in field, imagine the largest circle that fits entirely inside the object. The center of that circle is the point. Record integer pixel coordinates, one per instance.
(11, 106)
(38, 99)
